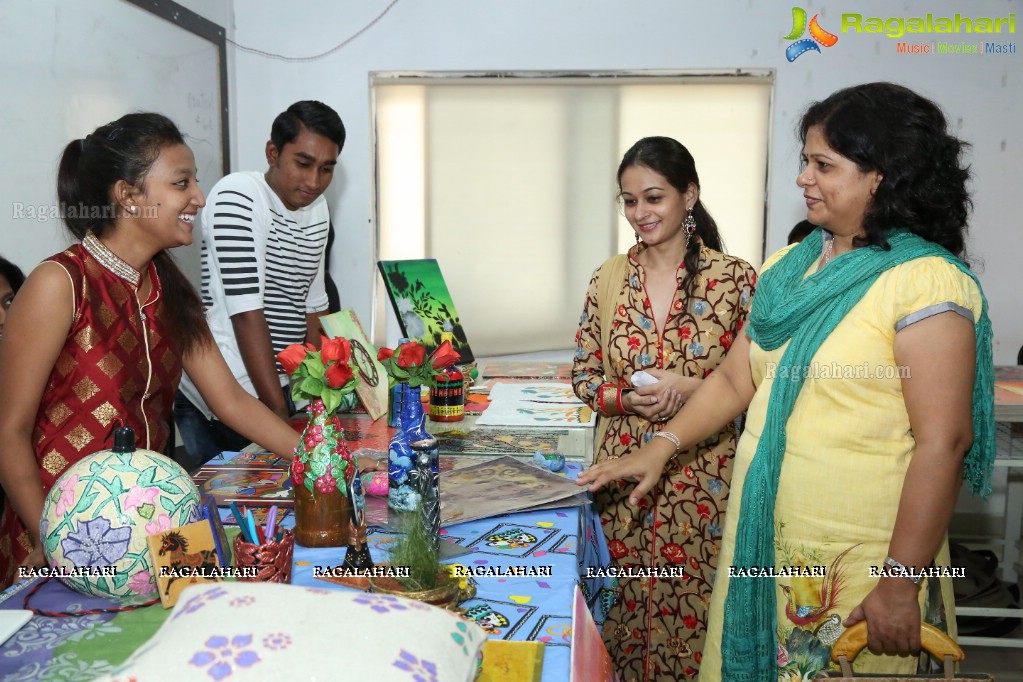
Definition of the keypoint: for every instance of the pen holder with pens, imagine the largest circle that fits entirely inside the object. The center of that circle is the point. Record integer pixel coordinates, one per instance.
(272, 559)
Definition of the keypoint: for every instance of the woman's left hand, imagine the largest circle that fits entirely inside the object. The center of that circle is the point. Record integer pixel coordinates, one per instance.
(643, 466)
(671, 390)
(892, 613)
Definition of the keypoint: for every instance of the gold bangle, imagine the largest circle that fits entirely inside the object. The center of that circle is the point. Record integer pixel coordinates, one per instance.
(675, 440)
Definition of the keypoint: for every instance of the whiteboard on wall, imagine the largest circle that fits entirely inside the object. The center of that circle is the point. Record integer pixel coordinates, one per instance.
(68, 68)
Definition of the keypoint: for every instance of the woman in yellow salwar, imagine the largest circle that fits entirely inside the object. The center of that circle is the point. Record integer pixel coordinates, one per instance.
(866, 369)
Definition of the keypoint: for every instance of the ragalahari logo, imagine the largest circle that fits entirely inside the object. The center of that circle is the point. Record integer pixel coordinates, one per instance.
(817, 35)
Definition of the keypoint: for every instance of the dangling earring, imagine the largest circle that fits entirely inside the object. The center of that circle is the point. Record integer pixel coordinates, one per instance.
(638, 240)
(689, 225)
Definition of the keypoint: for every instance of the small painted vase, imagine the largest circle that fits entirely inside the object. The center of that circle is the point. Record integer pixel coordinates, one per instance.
(321, 472)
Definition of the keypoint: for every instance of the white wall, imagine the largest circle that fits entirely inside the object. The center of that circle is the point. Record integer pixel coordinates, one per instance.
(982, 95)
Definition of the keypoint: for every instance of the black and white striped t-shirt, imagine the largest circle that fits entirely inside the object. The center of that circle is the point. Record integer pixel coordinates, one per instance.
(257, 254)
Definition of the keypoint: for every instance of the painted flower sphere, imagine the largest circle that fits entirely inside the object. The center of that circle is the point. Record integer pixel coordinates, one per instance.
(98, 514)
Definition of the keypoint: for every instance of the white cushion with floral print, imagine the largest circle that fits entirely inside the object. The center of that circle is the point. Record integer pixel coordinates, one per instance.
(265, 631)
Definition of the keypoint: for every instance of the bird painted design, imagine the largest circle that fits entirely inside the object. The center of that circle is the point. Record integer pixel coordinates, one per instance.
(828, 631)
(805, 602)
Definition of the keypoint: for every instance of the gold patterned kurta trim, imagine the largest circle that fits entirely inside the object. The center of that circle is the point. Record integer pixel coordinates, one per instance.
(25, 540)
(110, 365)
(105, 414)
(85, 389)
(54, 463)
(87, 338)
(106, 315)
(127, 341)
(79, 437)
(109, 260)
(58, 414)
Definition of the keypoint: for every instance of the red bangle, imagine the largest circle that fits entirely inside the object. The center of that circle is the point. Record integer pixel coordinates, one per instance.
(618, 401)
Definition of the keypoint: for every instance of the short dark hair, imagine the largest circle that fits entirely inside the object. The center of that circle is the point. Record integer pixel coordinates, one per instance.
(312, 115)
(890, 129)
(669, 157)
(800, 230)
(12, 273)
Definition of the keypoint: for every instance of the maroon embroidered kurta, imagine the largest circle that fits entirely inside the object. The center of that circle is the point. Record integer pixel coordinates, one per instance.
(117, 361)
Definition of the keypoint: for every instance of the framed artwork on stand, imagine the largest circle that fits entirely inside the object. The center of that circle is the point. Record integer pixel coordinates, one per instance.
(423, 304)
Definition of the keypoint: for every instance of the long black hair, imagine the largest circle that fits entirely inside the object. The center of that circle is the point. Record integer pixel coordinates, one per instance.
(670, 158)
(890, 129)
(89, 168)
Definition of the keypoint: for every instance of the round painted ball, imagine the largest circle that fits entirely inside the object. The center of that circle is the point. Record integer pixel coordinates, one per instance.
(552, 461)
(99, 513)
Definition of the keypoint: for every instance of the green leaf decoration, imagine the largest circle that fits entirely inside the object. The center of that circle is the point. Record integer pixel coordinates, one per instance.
(312, 386)
(309, 484)
(169, 487)
(318, 467)
(87, 500)
(314, 365)
(331, 399)
(146, 510)
(146, 477)
(51, 543)
(116, 487)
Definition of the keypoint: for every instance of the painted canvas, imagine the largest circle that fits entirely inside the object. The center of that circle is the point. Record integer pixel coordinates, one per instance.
(423, 304)
(535, 404)
(548, 415)
(496, 487)
(498, 441)
(372, 388)
(524, 369)
(250, 460)
(183, 556)
(259, 515)
(246, 486)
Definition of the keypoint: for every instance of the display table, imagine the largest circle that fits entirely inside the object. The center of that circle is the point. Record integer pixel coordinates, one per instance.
(553, 548)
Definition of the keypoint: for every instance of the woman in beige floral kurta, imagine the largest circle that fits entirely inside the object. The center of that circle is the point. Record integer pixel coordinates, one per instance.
(656, 626)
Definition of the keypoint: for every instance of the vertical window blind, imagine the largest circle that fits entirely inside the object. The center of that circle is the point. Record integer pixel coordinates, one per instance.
(510, 184)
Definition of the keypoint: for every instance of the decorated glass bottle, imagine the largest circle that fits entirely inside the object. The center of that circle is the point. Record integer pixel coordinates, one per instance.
(401, 495)
(394, 400)
(447, 397)
(426, 482)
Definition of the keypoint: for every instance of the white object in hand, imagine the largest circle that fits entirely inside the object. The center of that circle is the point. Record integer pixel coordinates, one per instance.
(641, 378)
